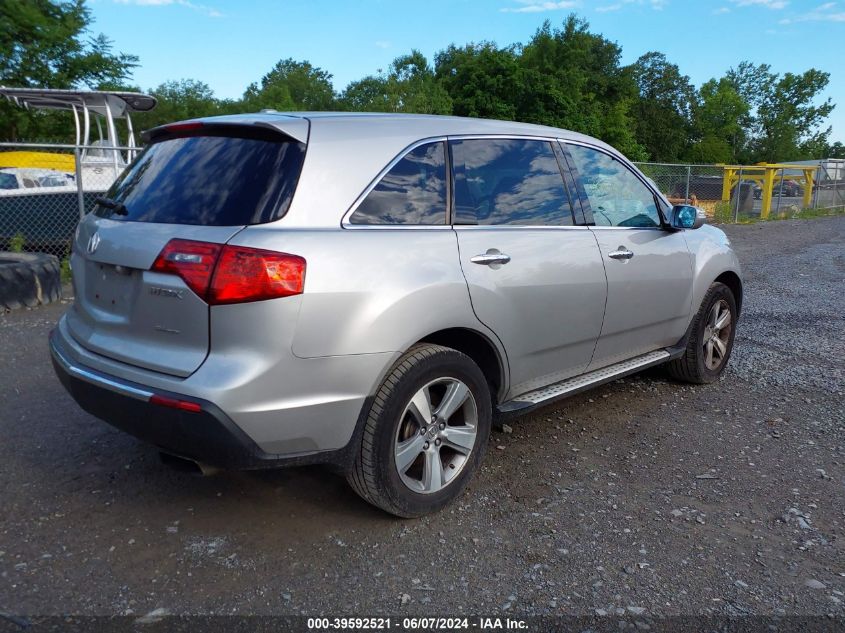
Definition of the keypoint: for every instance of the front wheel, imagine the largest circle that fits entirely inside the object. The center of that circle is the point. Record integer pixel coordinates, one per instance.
(425, 433)
(711, 338)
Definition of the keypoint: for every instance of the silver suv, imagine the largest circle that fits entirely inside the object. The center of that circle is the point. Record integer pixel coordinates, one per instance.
(374, 291)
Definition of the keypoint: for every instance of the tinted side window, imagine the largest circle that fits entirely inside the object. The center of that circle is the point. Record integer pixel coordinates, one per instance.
(508, 181)
(412, 192)
(617, 197)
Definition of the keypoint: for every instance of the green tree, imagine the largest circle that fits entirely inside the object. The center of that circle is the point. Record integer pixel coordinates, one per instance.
(663, 111)
(720, 122)
(786, 117)
(47, 44)
(481, 79)
(836, 150)
(410, 86)
(567, 77)
(178, 100)
(790, 120)
(369, 94)
(291, 85)
(415, 87)
(587, 89)
(711, 149)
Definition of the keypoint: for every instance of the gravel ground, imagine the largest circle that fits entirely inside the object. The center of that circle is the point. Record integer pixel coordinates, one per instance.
(644, 495)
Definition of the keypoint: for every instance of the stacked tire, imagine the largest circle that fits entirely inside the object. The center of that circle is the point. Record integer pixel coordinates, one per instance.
(28, 280)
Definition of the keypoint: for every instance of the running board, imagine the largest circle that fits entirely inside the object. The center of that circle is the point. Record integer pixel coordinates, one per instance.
(570, 387)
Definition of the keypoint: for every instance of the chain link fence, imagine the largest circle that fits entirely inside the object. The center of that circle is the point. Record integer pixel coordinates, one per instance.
(45, 189)
(796, 188)
(699, 185)
(830, 185)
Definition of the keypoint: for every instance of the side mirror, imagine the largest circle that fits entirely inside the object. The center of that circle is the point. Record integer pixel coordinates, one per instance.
(685, 216)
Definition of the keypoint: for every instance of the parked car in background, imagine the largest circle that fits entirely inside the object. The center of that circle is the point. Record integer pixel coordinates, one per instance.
(786, 189)
(371, 291)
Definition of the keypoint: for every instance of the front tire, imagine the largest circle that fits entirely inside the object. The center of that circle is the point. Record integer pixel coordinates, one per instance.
(425, 434)
(710, 340)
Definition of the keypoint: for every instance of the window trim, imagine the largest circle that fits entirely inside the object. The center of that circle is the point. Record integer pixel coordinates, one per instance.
(345, 222)
(554, 142)
(664, 225)
(576, 202)
(573, 181)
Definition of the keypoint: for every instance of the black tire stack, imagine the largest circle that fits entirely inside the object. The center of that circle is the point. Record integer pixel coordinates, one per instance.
(28, 280)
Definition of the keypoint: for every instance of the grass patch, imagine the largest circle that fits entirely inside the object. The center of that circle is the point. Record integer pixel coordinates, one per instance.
(806, 214)
(724, 215)
(17, 243)
(65, 270)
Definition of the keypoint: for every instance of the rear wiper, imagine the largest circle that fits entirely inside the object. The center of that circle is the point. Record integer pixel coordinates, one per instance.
(114, 205)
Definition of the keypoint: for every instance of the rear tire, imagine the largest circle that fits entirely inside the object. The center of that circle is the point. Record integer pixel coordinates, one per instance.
(28, 280)
(708, 346)
(425, 434)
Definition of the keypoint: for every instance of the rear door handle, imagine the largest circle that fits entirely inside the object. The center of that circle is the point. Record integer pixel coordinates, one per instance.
(621, 253)
(491, 258)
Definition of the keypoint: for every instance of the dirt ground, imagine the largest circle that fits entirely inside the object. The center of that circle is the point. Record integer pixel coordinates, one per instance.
(645, 496)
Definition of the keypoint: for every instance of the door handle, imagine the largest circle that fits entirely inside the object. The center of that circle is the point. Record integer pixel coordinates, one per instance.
(491, 258)
(621, 253)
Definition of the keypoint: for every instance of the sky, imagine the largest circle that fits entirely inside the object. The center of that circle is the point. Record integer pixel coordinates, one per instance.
(229, 43)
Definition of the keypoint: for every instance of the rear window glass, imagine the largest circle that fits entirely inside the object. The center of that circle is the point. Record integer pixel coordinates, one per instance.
(209, 180)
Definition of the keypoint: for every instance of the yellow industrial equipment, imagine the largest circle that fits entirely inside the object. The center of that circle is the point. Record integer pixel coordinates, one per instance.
(765, 175)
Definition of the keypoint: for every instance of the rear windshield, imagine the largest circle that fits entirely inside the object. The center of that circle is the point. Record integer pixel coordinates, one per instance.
(210, 180)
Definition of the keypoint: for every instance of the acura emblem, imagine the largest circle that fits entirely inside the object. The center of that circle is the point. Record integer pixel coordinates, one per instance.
(93, 243)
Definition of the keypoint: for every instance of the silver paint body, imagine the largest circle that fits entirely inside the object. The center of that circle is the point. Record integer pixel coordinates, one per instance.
(294, 373)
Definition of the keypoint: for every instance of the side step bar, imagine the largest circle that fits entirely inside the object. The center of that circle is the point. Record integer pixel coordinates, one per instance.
(570, 387)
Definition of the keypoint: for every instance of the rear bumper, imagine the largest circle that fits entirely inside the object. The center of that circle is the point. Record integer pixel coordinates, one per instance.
(207, 435)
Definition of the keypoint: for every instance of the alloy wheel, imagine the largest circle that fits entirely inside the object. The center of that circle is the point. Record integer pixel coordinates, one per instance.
(436, 435)
(717, 335)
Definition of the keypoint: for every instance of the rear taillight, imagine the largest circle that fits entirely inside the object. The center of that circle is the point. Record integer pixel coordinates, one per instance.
(192, 261)
(232, 274)
(250, 274)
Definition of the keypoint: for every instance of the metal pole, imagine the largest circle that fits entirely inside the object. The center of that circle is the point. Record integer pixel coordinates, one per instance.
(76, 123)
(130, 141)
(780, 192)
(39, 145)
(689, 174)
(80, 198)
(816, 182)
(86, 117)
(835, 199)
(112, 132)
(77, 165)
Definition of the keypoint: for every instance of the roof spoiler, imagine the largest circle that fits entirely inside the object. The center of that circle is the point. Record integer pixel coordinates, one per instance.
(292, 128)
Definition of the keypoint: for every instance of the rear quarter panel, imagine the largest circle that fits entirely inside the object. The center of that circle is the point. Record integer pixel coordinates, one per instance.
(371, 291)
